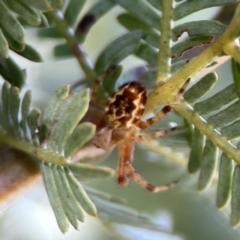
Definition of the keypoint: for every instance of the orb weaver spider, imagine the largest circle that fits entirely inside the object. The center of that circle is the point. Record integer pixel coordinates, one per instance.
(119, 124)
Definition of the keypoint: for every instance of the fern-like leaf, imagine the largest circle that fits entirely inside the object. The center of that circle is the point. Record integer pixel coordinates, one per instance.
(12, 34)
(53, 147)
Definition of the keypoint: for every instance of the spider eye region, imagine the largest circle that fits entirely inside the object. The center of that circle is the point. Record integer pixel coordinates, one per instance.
(126, 105)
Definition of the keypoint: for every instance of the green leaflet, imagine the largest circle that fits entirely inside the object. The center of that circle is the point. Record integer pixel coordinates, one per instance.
(189, 131)
(156, 3)
(30, 15)
(42, 5)
(53, 195)
(235, 203)
(13, 44)
(85, 171)
(217, 101)
(10, 24)
(44, 21)
(25, 108)
(60, 50)
(56, 3)
(148, 53)
(63, 197)
(236, 76)
(199, 28)
(142, 10)
(125, 53)
(226, 116)
(224, 181)
(33, 122)
(52, 32)
(14, 104)
(208, 165)
(196, 153)
(231, 131)
(192, 6)
(113, 52)
(69, 196)
(150, 75)
(73, 10)
(81, 195)
(132, 23)
(200, 88)
(11, 72)
(5, 118)
(3, 45)
(53, 105)
(67, 117)
(30, 53)
(80, 135)
(101, 8)
(110, 80)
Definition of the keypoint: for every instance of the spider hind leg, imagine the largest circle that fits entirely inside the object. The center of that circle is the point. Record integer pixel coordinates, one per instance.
(145, 184)
(126, 170)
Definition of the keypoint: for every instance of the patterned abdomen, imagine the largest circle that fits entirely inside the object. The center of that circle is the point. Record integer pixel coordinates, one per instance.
(126, 105)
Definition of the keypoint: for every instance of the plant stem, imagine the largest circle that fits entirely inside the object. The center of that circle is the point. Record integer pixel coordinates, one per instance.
(37, 152)
(193, 117)
(164, 93)
(164, 57)
(72, 42)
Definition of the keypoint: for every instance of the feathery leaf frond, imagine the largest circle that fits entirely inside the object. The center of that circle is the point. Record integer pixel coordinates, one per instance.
(57, 144)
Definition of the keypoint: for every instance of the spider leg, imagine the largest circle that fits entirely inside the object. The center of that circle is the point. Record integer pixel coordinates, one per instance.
(125, 151)
(96, 106)
(96, 103)
(99, 79)
(93, 116)
(153, 134)
(125, 169)
(164, 110)
(145, 184)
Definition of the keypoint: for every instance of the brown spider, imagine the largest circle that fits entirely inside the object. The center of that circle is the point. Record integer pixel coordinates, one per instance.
(119, 126)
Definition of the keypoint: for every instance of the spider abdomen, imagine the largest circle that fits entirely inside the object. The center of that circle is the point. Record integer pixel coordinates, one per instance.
(126, 105)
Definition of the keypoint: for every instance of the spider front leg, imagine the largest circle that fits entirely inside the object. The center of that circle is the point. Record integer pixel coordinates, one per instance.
(141, 124)
(144, 183)
(125, 169)
(153, 134)
(94, 113)
(98, 80)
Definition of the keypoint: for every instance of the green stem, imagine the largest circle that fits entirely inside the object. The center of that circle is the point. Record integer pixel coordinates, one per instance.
(193, 117)
(37, 152)
(74, 45)
(165, 93)
(164, 56)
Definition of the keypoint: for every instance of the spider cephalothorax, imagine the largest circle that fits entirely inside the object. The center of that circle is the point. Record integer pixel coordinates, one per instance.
(119, 126)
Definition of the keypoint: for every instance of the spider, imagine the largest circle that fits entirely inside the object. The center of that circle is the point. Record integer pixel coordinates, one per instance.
(119, 125)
